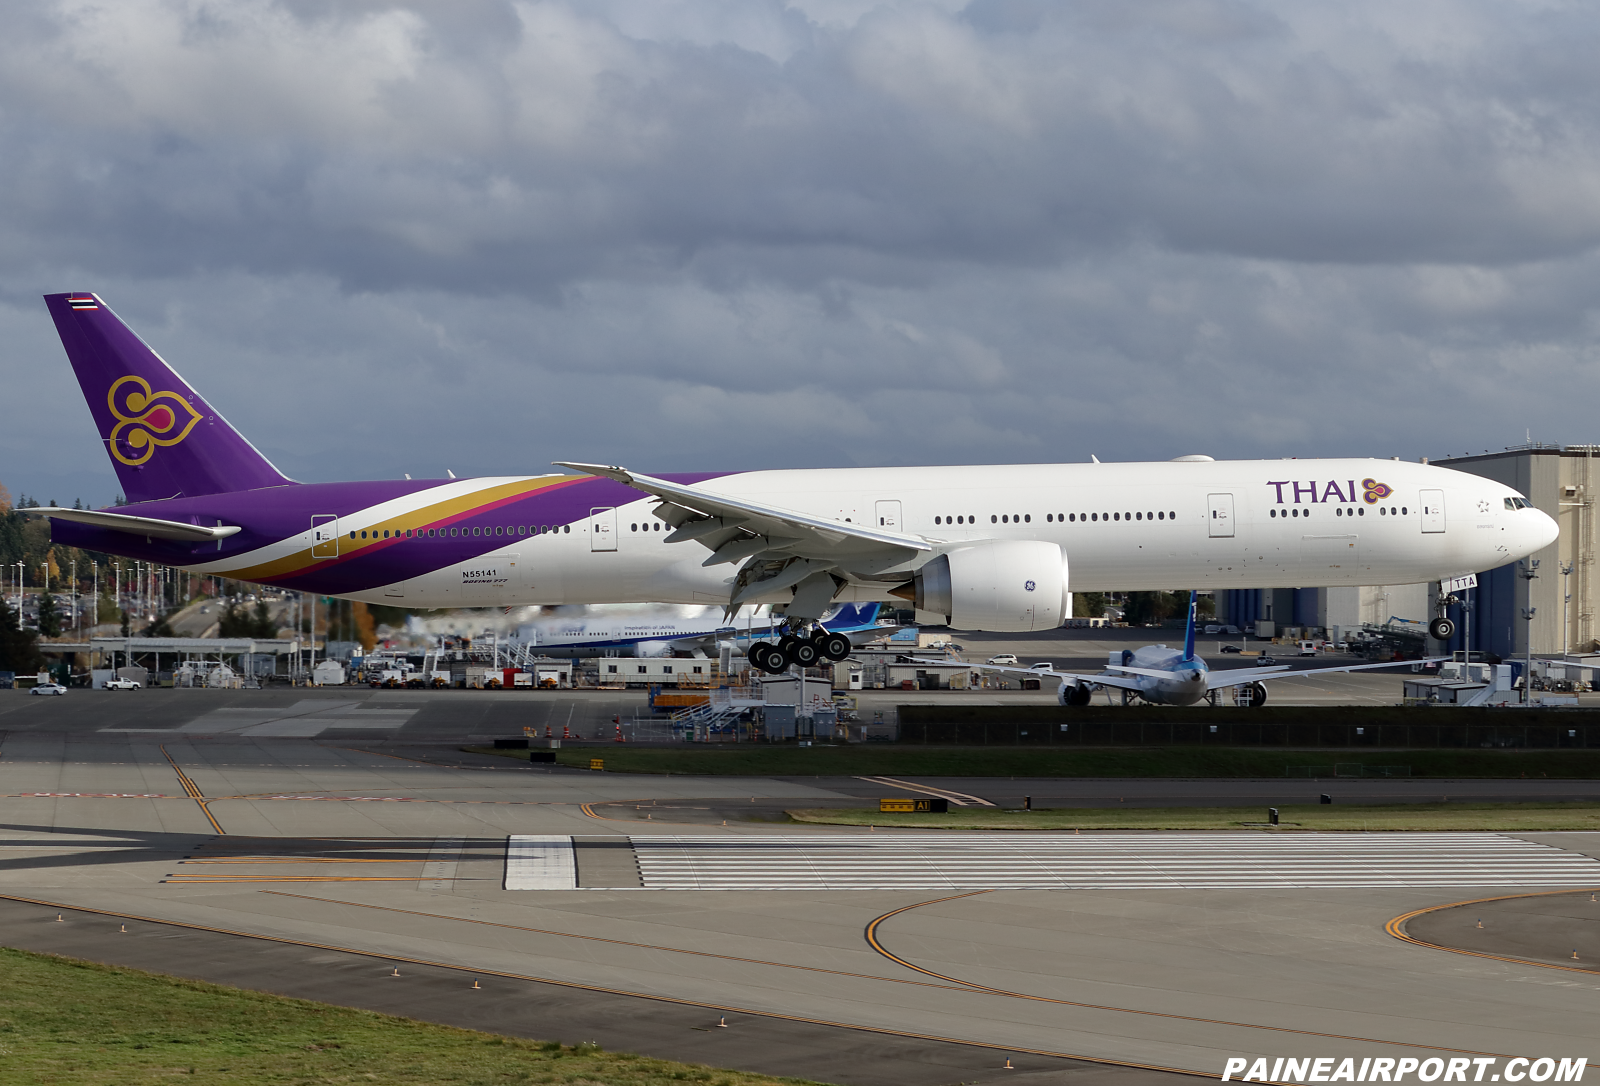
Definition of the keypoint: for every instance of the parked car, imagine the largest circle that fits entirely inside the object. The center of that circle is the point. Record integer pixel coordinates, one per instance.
(120, 684)
(1265, 661)
(50, 688)
(1005, 659)
(1231, 648)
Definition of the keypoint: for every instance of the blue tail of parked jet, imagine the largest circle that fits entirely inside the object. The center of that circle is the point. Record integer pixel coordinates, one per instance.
(852, 617)
(1188, 637)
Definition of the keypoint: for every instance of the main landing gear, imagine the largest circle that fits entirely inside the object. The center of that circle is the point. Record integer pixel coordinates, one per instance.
(804, 651)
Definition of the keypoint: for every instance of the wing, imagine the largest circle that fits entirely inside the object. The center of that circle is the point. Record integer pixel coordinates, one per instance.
(731, 524)
(148, 526)
(1117, 681)
(1238, 676)
(789, 546)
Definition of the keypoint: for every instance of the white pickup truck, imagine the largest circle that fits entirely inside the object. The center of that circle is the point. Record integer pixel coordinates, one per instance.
(119, 684)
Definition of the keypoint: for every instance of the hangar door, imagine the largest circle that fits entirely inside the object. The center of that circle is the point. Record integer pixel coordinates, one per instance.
(603, 529)
(1221, 523)
(1432, 510)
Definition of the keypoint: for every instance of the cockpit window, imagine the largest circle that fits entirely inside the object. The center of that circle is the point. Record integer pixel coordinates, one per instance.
(1518, 503)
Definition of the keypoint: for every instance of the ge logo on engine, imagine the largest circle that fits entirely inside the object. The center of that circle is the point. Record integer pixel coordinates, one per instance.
(1029, 585)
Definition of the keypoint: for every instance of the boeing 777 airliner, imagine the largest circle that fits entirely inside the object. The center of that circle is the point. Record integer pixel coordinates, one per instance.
(988, 548)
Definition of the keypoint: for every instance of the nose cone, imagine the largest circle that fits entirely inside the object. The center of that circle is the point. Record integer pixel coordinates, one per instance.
(1542, 530)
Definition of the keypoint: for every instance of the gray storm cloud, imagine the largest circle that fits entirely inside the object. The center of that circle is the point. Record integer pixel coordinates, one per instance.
(705, 234)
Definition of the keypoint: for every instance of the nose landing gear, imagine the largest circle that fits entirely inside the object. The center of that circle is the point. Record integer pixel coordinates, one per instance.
(1442, 628)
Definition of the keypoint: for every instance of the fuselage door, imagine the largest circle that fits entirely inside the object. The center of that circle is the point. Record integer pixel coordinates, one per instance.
(888, 514)
(603, 529)
(324, 536)
(1432, 510)
(1220, 526)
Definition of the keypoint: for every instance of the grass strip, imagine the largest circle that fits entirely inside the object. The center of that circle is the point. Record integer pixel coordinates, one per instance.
(1481, 817)
(872, 760)
(65, 1022)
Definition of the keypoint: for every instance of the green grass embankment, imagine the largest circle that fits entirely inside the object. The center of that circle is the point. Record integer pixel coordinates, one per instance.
(71, 1023)
(1481, 817)
(870, 760)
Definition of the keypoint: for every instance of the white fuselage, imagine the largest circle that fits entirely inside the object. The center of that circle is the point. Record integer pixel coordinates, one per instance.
(1129, 526)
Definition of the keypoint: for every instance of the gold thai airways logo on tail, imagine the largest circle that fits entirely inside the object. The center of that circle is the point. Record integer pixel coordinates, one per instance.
(146, 419)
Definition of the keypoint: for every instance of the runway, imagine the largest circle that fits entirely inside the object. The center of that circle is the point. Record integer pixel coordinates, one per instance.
(1141, 952)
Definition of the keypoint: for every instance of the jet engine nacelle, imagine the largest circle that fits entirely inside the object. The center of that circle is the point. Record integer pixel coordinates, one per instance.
(1007, 586)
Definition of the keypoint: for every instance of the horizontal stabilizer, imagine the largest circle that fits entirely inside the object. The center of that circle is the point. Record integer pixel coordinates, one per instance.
(148, 526)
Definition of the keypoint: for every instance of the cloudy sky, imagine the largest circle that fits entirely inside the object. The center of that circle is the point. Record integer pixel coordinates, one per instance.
(708, 234)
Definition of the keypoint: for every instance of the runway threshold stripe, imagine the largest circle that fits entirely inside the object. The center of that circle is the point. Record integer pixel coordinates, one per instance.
(1124, 861)
(576, 986)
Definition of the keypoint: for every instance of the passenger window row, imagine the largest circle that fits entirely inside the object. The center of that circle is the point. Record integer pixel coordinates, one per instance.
(1340, 511)
(1060, 518)
(656, 527)
(451, 533)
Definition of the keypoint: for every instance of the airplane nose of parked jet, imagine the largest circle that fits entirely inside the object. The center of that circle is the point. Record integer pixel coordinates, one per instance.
(1542, 530)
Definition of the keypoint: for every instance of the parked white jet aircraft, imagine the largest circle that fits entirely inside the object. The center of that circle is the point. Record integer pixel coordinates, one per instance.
(656, 630)
(1163, 676)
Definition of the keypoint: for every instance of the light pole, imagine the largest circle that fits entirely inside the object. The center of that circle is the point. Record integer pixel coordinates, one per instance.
(1527, 667)
(95, 620)
(1566, 600)
(1528, 570)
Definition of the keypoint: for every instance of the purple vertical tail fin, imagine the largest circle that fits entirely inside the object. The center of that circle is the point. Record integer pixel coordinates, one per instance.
(164, 440)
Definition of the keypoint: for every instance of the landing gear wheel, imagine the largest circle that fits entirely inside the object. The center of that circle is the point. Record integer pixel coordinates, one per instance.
(834, 646)
(1441, 629)
(804, 653)
(768, 657)
(786, 645)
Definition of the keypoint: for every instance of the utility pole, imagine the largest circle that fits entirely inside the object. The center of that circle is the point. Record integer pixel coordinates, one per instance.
(1566, 600)
(95, 621)
(75, 594)
(1528, 570)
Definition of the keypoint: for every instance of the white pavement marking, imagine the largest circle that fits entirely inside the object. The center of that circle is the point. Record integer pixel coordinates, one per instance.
(1104, 861)
(304, 719)
(960, 799)
(540, 862)
(439, 872)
